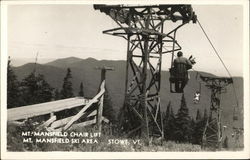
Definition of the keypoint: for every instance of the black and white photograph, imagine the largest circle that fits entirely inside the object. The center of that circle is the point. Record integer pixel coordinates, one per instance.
(125, 78)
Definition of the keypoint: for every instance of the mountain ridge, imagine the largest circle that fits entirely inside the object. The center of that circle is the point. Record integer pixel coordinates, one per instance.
(83, 70)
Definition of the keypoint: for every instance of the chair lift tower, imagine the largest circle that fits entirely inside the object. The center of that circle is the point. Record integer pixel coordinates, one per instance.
(212, 135)
(143, 28)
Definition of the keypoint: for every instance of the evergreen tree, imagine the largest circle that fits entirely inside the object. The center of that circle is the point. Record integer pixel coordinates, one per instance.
(183, 130)
(13, 93)
(204, 119)
(57, 95)
(169, 123)
(205, 116)
(168, 111)
(225, 142)
(192, 126)
(198, 128)
(192, 122)
(108, 110)
(198, 115)
(35, 89)
(81, 90)
(67, 90)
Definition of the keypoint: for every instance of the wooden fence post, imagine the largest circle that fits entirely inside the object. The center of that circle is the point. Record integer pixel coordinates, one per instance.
(99, 115)
(100, 104)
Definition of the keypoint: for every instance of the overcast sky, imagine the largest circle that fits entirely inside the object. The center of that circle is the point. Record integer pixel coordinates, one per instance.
(58, 31)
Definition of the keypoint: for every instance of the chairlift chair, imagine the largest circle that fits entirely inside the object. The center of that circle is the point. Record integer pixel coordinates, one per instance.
(178, 79)
(179, 75)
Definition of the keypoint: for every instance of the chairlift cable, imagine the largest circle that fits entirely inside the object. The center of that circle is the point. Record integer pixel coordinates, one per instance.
(214, 49)
(220, 60)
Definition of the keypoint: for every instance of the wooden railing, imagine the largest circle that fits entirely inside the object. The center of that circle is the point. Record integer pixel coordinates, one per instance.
(52, 124)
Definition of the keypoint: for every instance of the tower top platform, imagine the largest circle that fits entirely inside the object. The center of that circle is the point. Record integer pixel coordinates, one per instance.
(160, 12)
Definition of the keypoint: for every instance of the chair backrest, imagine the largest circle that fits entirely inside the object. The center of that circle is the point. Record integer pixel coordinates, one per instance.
(180, 71)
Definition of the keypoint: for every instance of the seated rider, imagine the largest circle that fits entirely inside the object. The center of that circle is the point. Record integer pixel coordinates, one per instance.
(197, 97)
(181, 67)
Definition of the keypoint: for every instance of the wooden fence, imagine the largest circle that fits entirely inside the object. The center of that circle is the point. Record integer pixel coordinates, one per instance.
(20, 114)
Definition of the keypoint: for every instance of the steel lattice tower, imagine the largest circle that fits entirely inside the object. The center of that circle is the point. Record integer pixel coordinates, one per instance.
(143, 28)
(212, 135)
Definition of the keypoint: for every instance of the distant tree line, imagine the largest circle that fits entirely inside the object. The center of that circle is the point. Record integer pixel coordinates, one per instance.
(34, 89)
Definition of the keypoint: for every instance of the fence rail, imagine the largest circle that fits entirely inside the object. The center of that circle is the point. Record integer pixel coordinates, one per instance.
(29, 111)
(52, 124)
